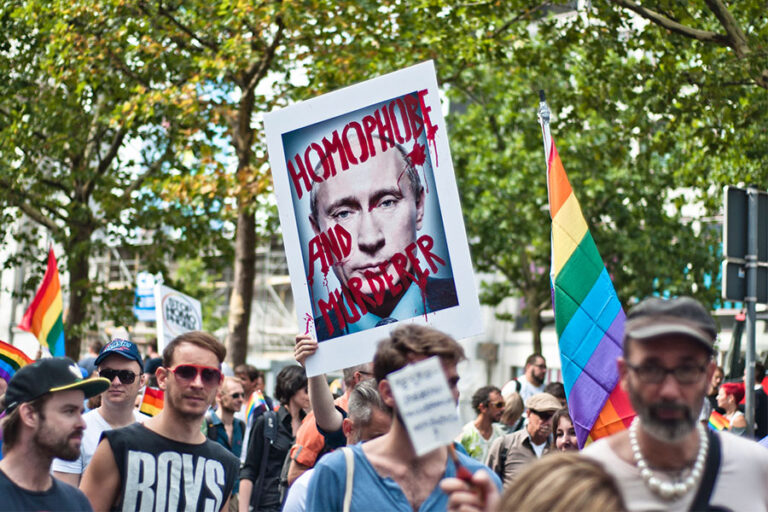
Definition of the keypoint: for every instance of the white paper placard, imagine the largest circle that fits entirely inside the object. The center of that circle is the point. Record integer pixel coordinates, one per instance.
(370, 216)
(425, 404)
(177, 313)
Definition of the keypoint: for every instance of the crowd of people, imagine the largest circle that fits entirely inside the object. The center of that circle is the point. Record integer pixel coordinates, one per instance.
(221, 443)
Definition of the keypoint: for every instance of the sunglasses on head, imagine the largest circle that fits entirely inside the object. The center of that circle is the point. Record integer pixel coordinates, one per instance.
(125, 376)
(188, 372)
(543, 415)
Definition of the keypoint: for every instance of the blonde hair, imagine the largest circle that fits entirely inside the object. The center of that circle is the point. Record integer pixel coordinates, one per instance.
(562, 482)
(513, 409)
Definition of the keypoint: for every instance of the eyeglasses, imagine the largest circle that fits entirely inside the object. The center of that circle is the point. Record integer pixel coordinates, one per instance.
(125, 376)
(237, 395)
(543, 415)
(499, 405)
(188, 372)
(653, 374)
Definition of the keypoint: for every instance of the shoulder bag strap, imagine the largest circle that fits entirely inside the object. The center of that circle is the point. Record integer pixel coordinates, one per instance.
(349, 456)
(269, 420)
(711, 468)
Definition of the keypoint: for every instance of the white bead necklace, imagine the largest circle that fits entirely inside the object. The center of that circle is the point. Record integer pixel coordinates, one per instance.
(668, 490)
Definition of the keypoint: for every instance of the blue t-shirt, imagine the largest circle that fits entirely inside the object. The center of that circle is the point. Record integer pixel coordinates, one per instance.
(59, 496)
(371, 492)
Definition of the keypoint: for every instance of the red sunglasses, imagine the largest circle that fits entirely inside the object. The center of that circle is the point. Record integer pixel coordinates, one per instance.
(188, 372)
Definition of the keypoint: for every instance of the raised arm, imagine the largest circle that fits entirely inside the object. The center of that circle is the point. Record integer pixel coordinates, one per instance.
(101, 479)
(320, 396)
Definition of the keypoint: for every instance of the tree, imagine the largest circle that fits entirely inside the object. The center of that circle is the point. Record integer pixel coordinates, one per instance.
(74, 98)
(648, 125)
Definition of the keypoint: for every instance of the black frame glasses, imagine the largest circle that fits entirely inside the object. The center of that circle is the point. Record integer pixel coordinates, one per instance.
(125, 376)
(237, 395)
(655, 374)
(209, 375)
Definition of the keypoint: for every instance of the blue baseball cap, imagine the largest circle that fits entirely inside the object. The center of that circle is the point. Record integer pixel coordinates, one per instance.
(123, 348)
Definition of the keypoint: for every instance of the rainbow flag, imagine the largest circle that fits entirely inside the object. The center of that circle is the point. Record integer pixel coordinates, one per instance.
(11, 359)
(255, 403)
(589, 319)
(44, 316)
(152, 401)
(717, 421)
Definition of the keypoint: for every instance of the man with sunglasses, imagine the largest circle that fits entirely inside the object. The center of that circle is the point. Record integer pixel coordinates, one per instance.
(508, 455)
(479, 434)
(167, 463)
(667, 460)
(120, 363)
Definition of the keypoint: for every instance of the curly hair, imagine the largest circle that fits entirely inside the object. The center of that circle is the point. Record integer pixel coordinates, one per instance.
(410, 342)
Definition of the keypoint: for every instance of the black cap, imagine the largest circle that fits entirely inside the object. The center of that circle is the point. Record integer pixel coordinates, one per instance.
(123, 348)
(654, 317)
(49, 376)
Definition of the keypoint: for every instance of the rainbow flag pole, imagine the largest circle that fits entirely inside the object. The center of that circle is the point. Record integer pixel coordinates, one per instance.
(589, 319)
(11, 359)
(44, 316)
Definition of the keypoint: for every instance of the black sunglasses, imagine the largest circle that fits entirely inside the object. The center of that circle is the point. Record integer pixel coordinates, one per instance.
(237, 395)
(543, 415)
(125, 376)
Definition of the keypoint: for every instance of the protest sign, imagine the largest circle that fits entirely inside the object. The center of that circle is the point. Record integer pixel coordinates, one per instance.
(425, 404)
(176, 314)
(370, 215)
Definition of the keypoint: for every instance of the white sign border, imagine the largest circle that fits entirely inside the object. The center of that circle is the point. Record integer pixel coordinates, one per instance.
(460, 321)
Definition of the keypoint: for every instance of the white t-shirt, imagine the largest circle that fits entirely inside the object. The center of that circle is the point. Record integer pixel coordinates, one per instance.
(296, 500)
(95, 424)
(740, 484)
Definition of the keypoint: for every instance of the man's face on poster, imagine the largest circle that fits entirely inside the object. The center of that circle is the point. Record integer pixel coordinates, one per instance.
(375, 202)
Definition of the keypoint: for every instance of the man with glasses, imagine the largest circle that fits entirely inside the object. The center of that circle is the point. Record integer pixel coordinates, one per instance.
(533, 378)
(478, 435)
(166, 463)
(120, 363)
(667, 460)
(223, 427)
(509, 454)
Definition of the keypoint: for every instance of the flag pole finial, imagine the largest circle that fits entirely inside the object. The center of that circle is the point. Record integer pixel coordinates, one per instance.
(544, 113)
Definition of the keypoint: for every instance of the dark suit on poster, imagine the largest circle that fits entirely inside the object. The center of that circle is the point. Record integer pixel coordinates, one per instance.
(439, 294)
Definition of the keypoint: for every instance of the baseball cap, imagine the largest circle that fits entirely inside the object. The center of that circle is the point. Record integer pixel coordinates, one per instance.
(123, 348)
(543, 402)
(49, 376)
(654, 317)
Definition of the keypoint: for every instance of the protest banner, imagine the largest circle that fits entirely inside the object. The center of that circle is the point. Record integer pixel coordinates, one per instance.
(370, 215)
(425, 404)
(176, 314)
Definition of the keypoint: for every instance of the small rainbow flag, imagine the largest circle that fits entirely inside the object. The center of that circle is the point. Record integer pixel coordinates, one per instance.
(589, 319)
(152, 401)
(717, 421)
(11, 359)
(256, 403)
(44, 316)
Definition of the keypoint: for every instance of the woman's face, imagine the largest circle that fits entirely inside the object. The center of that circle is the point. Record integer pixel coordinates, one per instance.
(565, 436)
(301, 399)
(722, 398)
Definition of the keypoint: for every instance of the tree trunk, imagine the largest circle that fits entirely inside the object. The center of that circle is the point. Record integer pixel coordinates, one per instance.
(242, 289)
(534, 319)
(245, 238)
(78, 254)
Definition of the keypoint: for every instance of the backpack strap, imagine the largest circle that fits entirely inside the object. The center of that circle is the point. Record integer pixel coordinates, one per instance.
(212, 429)
(711, 468)
(349, 457)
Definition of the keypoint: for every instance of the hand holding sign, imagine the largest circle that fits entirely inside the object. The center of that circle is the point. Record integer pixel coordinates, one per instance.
(426, 404)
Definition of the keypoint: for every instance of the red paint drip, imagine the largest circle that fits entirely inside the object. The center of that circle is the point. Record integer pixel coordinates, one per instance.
(308, 319)
(431, 131)
(417, 154)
